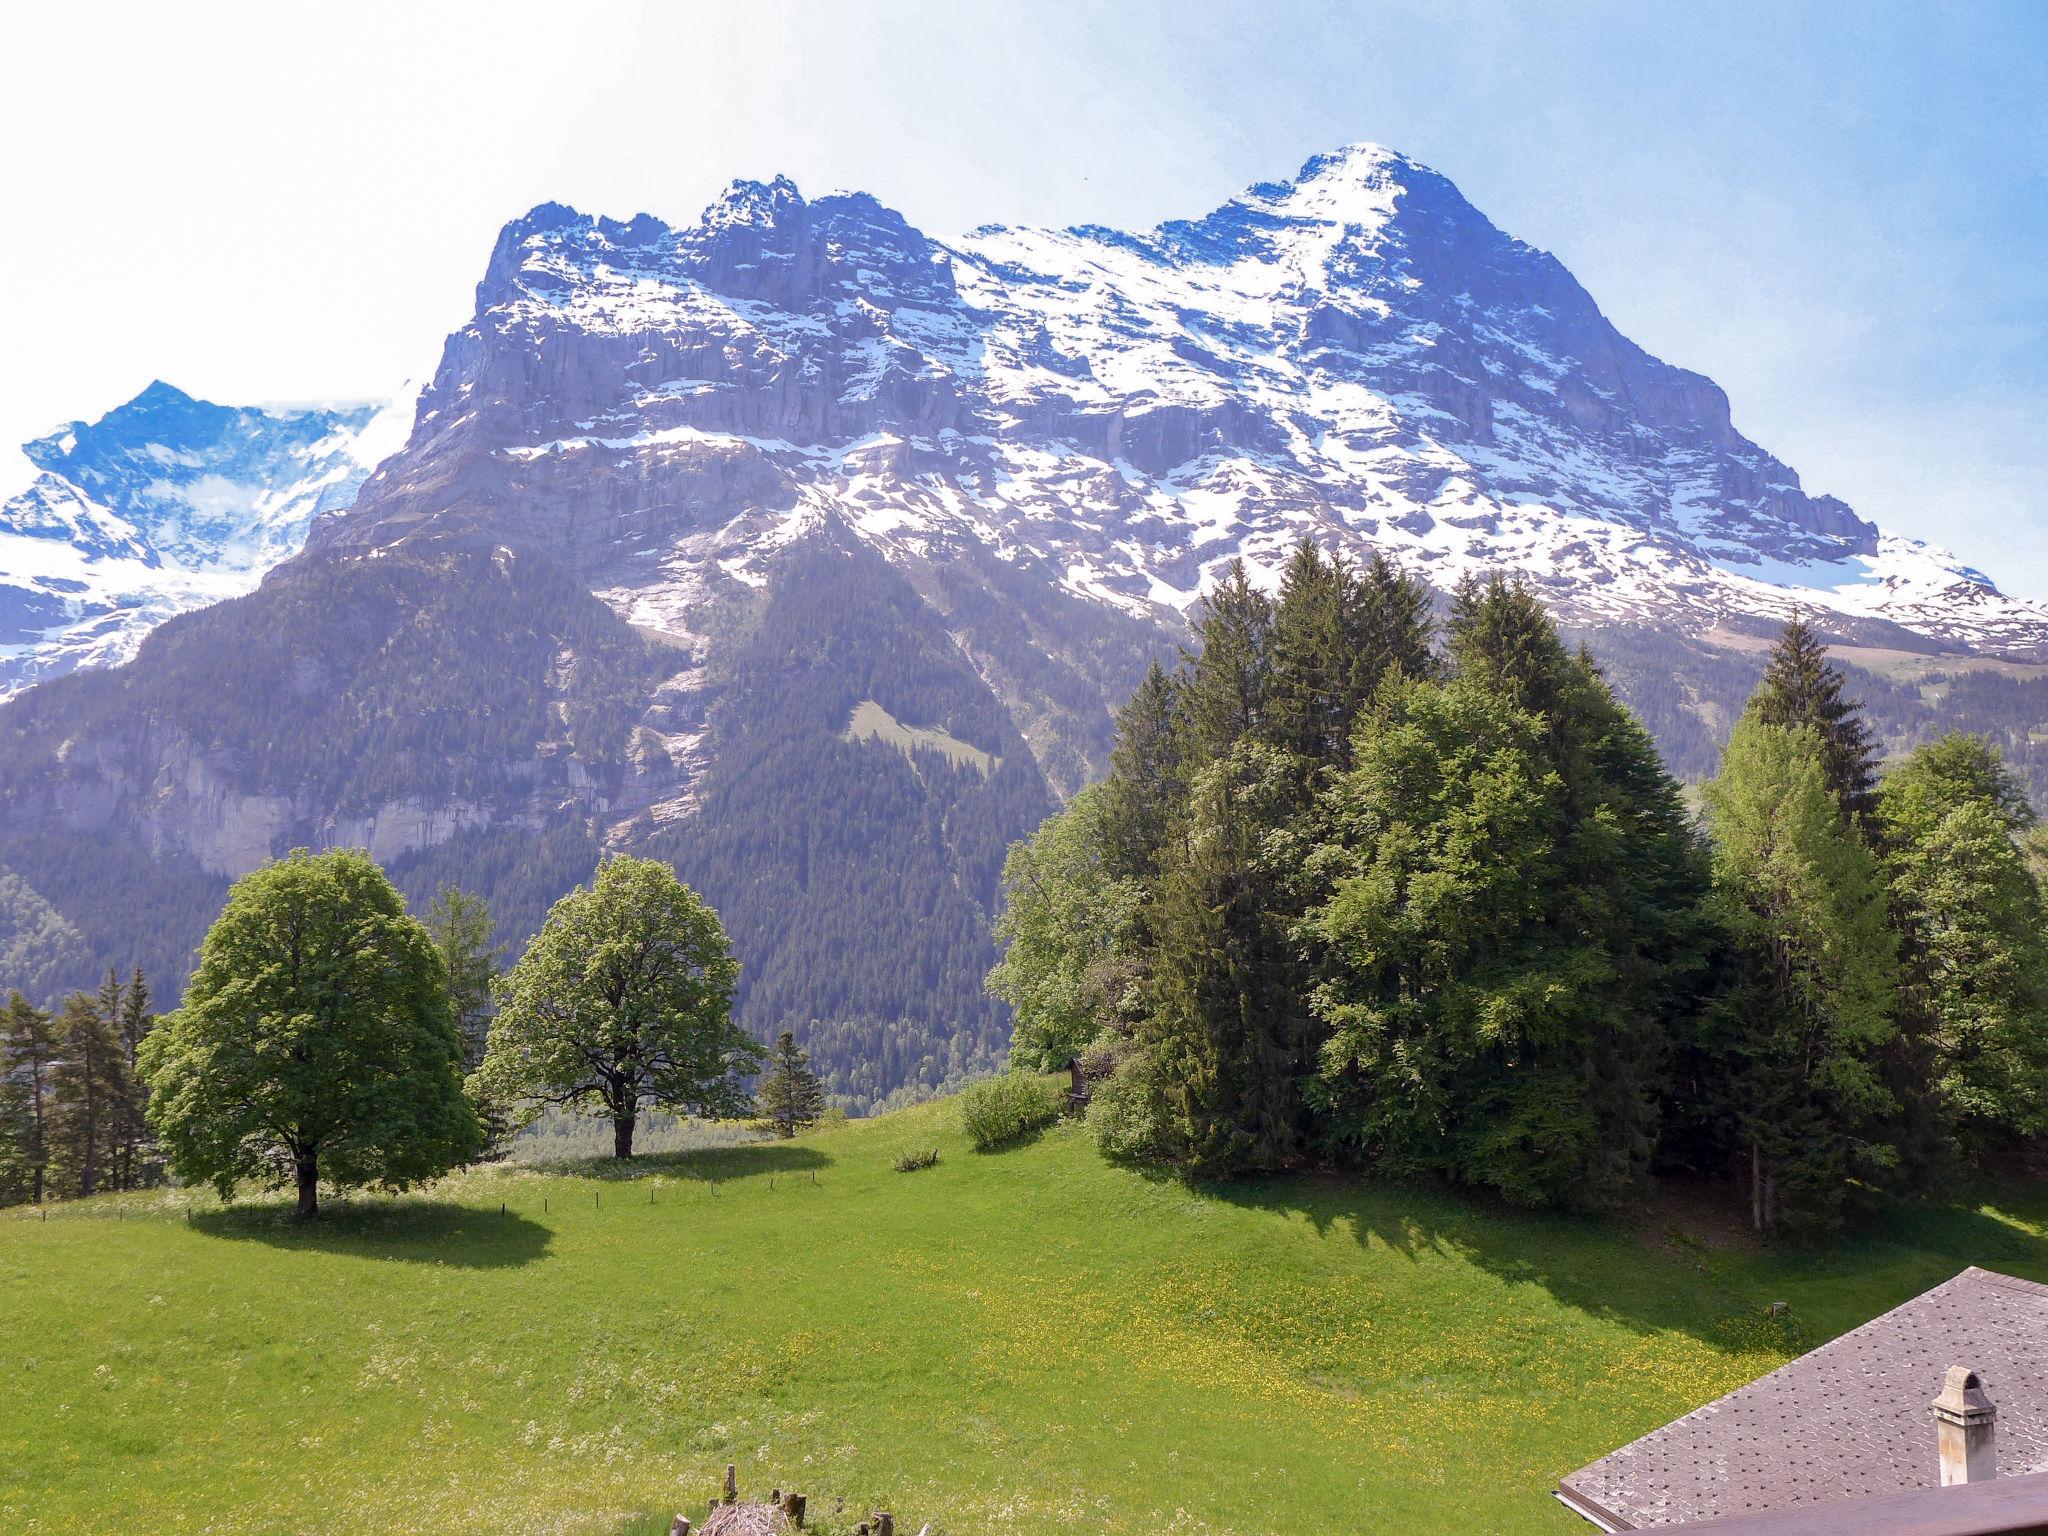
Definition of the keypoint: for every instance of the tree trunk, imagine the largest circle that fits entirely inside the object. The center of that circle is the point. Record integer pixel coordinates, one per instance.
(309, 1186)
(1756, 1187)
(622, 1135)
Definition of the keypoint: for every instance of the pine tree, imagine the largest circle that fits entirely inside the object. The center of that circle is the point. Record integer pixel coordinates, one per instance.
(1226, 1027)
(92, 1093)
(1312, 670)
(1227, 692)
(28, 1056)
(465, 936)
(1145, 788)
(1387, 620)
(1798, 1038)
(1801, 687)
(1974, 937)
(790, 1097)
(124, 1010)
(1338, 632)
(136, 1018)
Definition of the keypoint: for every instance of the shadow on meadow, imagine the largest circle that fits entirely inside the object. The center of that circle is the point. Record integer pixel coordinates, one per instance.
(407, 1230)
(1652, 1273)
(706, 1164)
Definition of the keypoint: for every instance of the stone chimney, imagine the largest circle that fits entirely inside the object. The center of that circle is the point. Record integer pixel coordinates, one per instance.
(1965, 1429)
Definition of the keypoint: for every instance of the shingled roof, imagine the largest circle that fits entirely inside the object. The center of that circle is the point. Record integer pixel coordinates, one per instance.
(1847, 1420)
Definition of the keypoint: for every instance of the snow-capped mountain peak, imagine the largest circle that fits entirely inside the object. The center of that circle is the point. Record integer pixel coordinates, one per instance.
(166, 503)
(1356, 354)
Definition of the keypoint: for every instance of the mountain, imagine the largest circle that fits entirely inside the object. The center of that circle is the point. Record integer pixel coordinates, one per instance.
(815, 554)
(1357, 355)
(164, 504)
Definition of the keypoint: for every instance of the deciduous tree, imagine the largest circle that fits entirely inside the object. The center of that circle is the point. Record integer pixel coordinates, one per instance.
(623, 999)
(314, 1042)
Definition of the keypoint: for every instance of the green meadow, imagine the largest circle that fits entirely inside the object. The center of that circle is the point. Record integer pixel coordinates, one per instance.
(1026, 1340)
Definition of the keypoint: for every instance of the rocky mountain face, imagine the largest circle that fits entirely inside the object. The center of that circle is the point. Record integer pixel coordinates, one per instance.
(164, 504)
(1356, 355)
(815, 554)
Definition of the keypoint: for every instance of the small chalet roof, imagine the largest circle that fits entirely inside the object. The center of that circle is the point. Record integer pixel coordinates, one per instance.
(1847, 1420)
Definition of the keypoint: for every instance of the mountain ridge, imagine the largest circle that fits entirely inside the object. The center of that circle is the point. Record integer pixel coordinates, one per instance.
(680, 501)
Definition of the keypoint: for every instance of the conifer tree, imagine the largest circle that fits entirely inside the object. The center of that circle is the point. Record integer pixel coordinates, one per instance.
(28, 1057)
(1799, 1037)
(1145, 788)
(1226, 1026)
(1387, 619)
(1227, 692)
(1338, 630)
(1973, 934)
(790, 1097)
(1801, 687)
(136, 1018)
(138, 1161)
(465, 936)
(92, 1094)
(1313, 658)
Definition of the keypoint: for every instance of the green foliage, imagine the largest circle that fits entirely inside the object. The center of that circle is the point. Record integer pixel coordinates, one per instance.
(1226, 1023)
(857, 883)
(465, 938)
(623, 999)
(1801, 688)
(1128, 1112)
(92, 1098)
(790, 1096)
(1010, 1106)
(28, 1058)
(916, 1162)
(40, 950)
(1258, 720)
(1799, 1036)
(1512, 921)
(1067, 928)
(314, 1040)
(1974, 935)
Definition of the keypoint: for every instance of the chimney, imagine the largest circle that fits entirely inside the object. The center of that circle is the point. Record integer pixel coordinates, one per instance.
(1965, 1429)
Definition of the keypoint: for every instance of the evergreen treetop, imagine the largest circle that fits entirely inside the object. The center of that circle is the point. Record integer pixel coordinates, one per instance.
(1801, 687)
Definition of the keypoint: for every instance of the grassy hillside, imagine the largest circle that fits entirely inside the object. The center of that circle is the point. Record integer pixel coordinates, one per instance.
(1025, 1340)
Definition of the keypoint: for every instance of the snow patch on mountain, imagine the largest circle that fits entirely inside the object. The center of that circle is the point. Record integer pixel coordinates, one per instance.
(1355, 354)
(165, 504)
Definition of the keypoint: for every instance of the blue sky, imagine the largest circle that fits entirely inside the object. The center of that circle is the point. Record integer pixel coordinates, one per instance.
(1838, 212)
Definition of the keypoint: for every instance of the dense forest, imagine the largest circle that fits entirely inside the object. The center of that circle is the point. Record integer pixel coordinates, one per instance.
(1421, 898)
(858, 877)
(858, 881)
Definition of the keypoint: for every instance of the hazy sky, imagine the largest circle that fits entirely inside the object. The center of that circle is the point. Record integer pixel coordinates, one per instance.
(1838, 212)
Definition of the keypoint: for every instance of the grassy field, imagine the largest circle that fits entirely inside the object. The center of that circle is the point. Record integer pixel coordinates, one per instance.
(1028, 1340)
(871, 722)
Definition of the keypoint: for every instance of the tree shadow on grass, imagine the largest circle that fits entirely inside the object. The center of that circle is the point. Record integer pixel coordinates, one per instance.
(405, 1230)
(706, 1164)
(1671, 1266)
